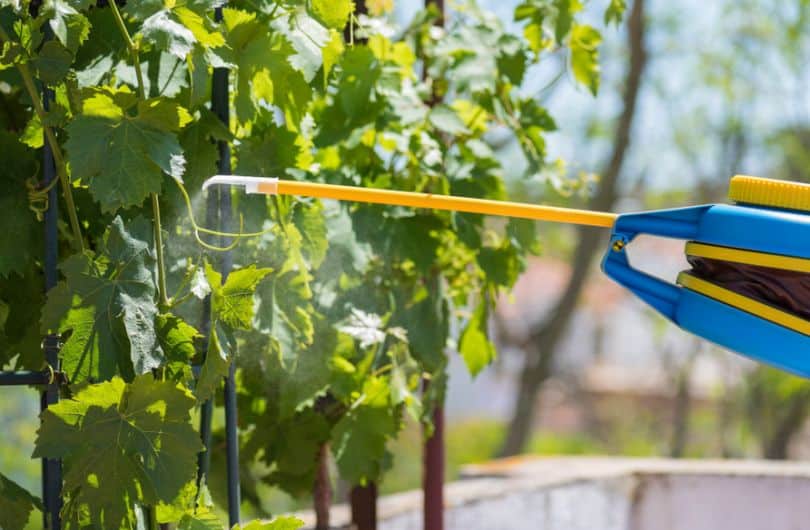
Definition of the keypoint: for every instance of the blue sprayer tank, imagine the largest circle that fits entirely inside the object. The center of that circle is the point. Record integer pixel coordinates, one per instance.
(767, 229)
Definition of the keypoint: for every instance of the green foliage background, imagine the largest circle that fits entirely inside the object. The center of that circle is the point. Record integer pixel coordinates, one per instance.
(335, 313)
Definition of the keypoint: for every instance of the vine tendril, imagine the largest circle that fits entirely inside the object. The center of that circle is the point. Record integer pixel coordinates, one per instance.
(38, 195)
(236, 236)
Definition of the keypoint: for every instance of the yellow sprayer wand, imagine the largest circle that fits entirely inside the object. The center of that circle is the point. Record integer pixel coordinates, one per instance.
(746, 290)
(274, 186)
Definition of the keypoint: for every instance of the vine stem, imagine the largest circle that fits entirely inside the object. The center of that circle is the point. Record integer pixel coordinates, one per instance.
(164, 303)
(59, 159)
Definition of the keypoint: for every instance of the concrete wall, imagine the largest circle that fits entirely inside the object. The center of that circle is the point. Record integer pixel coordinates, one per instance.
(613, 494)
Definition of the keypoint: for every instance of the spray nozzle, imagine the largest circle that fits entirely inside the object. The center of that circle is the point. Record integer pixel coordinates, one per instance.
(265, 185)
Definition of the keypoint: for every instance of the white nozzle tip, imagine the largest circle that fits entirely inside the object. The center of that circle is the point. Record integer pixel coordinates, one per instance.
(251, 184)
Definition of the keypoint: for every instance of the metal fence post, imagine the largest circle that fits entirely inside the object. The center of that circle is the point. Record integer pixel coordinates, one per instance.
(221, 107)
(51, 469)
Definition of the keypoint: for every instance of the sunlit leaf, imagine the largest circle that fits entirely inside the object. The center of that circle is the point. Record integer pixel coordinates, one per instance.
(474, 345)
(107, 304)
(585, 41)
(122, 444)
(124, 157)
(333, 14)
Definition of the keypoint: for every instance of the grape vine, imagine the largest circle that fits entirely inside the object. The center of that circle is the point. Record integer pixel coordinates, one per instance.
(335, 313)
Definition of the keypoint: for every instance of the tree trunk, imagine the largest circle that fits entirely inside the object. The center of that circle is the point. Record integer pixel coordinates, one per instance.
(433, 475)
(363, 500)
(322, 493)
(776, 447)
(680, 413)
(545, 338)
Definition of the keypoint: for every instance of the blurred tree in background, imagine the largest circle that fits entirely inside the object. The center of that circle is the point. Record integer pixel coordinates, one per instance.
(722, 95)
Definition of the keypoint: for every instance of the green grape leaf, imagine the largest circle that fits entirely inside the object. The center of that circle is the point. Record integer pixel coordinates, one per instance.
(21, 298)
(283, 522)
(121, 156)
(201, 519)
(523, 234)
(146, 8)
(162, 114)
(291, 448)
(176, 337)
(355, 103)
(20, 223)
(359, 439)
(232, 302)
(511, 60)
(181, 505)
(615, 11)
(165, 75)
(269, 151)
(168, 34)
(333, 14)
(201, 153)
(307, 36)
(122, 444)
(532, 114)
(231, 308)
(192, 510)
(311, 223)
(143, 9)
(81, 5)
(285, 310)
(566, 9)
(529, 11)
(70, 27)
(501, 265)
(310, 377)
(53, 62)
(406, 381)
(535, 38)
(177, 26)
(446, 120)
(474, 344)
(214, 368)
(32, 136)
(345, 254)
(361, 69)
(198, 78)
(284, 316)
(331, 53)
(264, 71)
(108, 306)
(584, 44)
(426, 322)
(16, 505)
(401, 239)
(534, 121)
(472, 52)
(194, 16)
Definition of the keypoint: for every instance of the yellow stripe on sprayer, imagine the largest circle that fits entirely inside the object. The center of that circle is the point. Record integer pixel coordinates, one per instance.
(748, 257)
(749, 305)
(439, 202)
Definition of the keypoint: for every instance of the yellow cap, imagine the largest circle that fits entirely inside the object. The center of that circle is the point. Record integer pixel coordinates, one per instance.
(770, 192)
